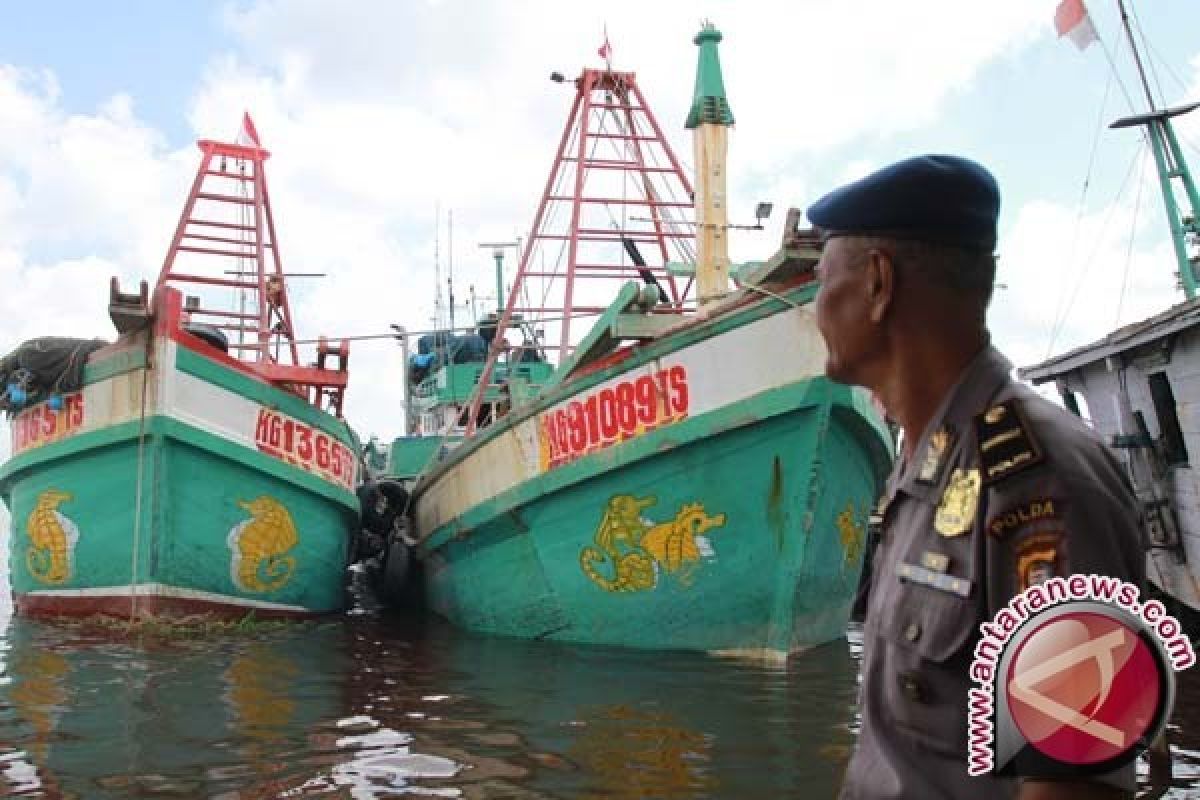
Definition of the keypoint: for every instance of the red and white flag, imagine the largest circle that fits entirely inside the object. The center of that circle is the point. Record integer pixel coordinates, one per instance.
(1071, 20)
(605, 50)
(248, 129)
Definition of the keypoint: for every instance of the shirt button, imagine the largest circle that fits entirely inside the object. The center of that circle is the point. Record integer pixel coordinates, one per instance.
(910, 684)
(912, 632)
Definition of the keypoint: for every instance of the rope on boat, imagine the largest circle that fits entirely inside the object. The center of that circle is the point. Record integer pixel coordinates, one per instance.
(410, 334)
(137, 495)
(754, 287)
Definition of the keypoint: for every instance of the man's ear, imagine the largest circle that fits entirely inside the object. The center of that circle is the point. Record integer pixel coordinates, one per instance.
(880, 283)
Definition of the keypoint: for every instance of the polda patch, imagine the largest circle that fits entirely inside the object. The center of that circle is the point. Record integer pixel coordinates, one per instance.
(1001, 525)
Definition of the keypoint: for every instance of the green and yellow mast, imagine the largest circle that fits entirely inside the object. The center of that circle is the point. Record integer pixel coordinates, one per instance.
(710, 119)
(1172, 168)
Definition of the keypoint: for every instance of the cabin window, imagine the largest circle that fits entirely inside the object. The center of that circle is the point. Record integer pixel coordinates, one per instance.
(1174, 449)
(1071, 401)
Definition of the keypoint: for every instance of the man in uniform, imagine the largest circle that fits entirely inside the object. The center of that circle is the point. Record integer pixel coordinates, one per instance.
(995, 488)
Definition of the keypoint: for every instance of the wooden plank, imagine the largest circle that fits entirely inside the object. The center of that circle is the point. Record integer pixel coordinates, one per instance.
(598, 341)
(641, 326)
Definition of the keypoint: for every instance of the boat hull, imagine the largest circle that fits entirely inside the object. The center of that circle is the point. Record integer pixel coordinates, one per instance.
(736, 526)
(163, 496)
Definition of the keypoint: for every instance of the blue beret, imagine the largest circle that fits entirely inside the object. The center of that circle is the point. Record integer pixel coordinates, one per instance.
(930, 198)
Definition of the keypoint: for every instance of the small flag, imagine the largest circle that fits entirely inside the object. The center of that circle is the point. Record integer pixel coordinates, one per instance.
(1071, 19)
(249, 129)
(605, 50)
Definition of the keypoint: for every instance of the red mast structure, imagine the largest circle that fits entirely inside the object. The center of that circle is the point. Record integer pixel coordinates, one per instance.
(227, 222)
(617, 206)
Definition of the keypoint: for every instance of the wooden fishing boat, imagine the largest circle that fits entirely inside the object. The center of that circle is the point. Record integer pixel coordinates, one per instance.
(1137, 385)
(686, 478)
(193, 464)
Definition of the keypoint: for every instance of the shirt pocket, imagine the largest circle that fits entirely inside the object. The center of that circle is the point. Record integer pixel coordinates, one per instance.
(929, 633)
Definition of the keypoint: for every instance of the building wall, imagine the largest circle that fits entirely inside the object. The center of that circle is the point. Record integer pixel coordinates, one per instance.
(1099, 387)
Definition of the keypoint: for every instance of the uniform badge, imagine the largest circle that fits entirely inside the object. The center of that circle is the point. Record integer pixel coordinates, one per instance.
(956, 511)
(936, 562)
(1006, 445)
(935, 456)
(1033, 513)
(1038, 560)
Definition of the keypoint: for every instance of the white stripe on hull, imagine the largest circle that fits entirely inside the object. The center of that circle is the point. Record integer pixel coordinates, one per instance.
(765, 354)
(165, 590)
(189, 399)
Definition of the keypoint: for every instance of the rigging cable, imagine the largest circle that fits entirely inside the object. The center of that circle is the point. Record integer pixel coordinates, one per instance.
(1112, 66)
(1162, 96)
(1079, 283)
(1059, 310)
(1137, 204)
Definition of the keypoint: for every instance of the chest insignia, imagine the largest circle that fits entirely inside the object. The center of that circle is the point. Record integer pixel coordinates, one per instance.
(1039, 558)
(956, 510)
(1006, 445)
(1026, 514)
(935, 456)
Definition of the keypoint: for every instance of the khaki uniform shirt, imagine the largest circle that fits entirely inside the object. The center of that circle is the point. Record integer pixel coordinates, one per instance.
(1051, 500)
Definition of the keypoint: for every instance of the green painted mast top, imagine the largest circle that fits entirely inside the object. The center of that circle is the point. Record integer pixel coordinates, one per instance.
(709, 104)
(709, 120)
(1168, 157)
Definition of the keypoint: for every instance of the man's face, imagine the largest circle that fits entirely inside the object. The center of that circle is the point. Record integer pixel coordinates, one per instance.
(843, 310)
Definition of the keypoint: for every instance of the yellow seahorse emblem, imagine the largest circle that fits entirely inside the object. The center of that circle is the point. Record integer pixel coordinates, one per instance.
(52, 538)
(674, 544)
(618, 538)
(638, 551)
(850, 532)
(260, 562)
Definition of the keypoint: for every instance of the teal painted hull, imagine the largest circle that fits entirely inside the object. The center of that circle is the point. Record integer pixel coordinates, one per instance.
(785, 498)
(136, 518)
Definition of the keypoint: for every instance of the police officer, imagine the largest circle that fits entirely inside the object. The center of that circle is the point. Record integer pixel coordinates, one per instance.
(995, 488)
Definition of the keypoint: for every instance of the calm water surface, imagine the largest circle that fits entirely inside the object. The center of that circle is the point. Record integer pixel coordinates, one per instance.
(377, 705)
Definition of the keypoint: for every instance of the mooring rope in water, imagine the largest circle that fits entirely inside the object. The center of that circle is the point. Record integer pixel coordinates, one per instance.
(137, 496)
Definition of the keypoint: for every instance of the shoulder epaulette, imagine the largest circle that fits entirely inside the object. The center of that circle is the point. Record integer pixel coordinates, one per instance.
(1006, 445)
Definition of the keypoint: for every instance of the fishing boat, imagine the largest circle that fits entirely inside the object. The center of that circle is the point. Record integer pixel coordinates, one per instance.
(1138, 384)
(193, 464)
(682, 475)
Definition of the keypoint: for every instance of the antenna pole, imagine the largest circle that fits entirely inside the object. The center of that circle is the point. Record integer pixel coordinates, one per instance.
(437, 266)
(450, 262)
(1137, 58)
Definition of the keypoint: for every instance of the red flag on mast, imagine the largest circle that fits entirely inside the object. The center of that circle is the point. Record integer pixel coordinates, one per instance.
(249, 129)
(605, 50)
(1071, 19)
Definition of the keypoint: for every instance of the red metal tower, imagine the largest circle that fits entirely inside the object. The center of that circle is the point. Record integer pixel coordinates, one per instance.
(616, 192)
(227, 222)
(617, 207)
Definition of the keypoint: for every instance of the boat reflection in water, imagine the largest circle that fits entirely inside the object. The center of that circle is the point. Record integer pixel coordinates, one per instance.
(370, 707)
(607, 722)
(86, 713)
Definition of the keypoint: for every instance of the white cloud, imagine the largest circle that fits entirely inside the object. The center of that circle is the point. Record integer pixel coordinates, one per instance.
(378, 111)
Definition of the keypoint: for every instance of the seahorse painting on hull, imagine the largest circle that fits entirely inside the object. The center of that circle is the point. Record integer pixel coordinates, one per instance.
(638, 551)
(52, 539)
(260, 547)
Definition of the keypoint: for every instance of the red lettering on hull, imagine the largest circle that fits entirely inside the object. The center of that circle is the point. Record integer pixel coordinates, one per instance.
(612, 414)
(306, 447)
(41, 425)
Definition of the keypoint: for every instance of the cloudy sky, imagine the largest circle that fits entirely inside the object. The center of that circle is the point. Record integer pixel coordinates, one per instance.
(379, 111)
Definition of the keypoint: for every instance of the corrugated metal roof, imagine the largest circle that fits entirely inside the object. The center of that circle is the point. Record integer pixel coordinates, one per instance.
(1176, 318)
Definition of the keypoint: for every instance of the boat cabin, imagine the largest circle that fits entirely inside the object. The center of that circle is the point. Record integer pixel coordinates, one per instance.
(1139, 387)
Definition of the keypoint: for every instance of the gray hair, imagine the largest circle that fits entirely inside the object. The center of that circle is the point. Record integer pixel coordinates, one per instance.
(963, 270)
